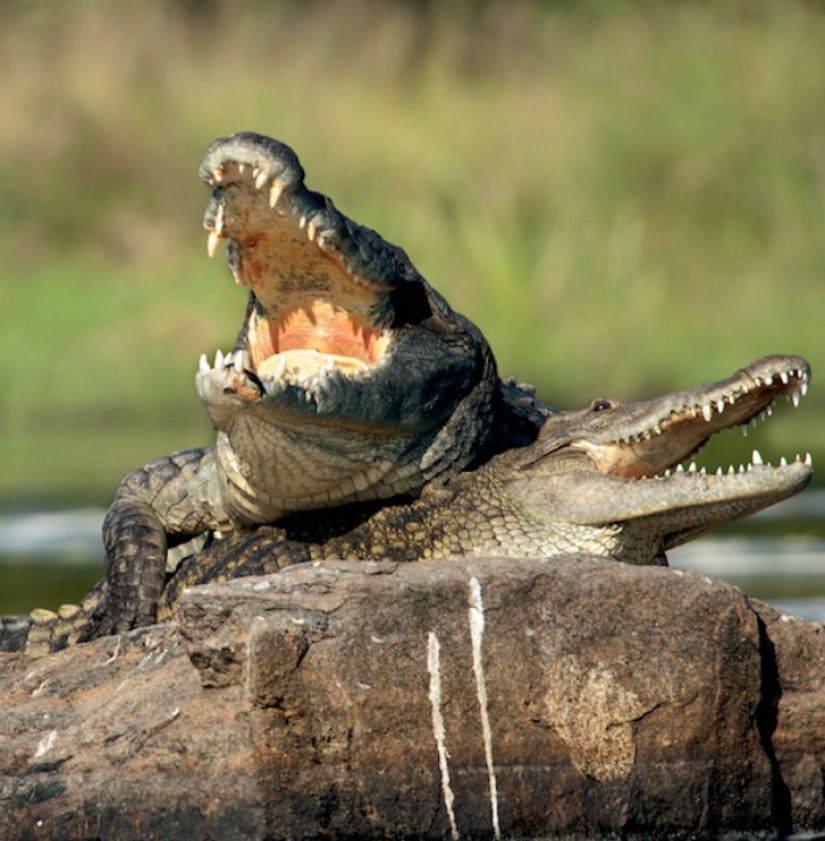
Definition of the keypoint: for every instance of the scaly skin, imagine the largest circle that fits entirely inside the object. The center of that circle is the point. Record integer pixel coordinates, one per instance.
(351, 380)
(598, 481)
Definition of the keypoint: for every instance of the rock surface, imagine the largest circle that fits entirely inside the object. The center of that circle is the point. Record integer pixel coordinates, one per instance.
(480, 697)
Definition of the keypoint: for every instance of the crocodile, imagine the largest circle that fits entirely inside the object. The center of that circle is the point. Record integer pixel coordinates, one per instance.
(351, 380)
(607, 480)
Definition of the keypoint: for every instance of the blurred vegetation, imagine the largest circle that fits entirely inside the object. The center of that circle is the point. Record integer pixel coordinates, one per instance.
(628, 198)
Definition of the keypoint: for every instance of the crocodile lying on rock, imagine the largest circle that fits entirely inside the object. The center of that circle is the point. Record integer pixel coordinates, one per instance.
(607, 480)
(350, 380)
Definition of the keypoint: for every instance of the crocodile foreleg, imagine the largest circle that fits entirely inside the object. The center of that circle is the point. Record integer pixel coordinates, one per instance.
(165, 502)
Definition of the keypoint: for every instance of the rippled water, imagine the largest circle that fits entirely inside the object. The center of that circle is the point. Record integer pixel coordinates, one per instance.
(58, 554)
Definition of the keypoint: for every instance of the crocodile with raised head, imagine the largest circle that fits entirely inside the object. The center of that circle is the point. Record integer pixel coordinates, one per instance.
(607, 480)
(350, 380)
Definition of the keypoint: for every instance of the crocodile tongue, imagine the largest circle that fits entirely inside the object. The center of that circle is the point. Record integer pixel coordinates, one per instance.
(301, 364)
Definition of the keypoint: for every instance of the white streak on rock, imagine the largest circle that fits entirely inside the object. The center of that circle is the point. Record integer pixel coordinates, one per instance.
(434, 668)
(477, 634)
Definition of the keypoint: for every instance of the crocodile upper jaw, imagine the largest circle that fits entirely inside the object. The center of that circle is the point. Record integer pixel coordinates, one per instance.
(320, 284)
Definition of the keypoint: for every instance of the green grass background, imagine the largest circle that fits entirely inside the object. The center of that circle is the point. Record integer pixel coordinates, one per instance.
(628, 198)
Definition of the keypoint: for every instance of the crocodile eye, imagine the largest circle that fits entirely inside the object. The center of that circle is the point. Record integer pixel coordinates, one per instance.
(601, 405)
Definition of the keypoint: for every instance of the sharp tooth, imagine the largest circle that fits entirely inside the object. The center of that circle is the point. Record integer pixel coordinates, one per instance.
(680, 468)
(212, 243)
(667, 472)
(703, 472)
(302, 222)
(741, 468)
(769, 379)
(719, 471)
(281, 367)
(808, 460)
(707, 412)
(769, 410)
(756, 457)
(238, 362)
(311, 231)
(731, 470)
(744, 428)
(795, 398)
(203, 364)
(784, 377)
(745, 389)
(219, 220)
(783, 462)
(218, 359)
(803, 388)
(260, 179)
(749, 467)
(692, 467)
(720, 406)
(757, 381)
(217, 173)
(241, 168)
(275, 194)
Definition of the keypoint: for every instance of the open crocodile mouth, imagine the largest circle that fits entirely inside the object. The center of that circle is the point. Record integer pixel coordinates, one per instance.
(312, 340)
(658, 439)
(321, 303)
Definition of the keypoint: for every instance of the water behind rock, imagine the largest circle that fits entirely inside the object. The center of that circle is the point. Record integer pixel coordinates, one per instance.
(778, 555)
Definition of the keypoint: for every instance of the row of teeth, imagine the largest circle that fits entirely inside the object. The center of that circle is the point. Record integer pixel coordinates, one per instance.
(756, 461)
(707, 410)
(260, 178)
(275, 192)
(240, 361)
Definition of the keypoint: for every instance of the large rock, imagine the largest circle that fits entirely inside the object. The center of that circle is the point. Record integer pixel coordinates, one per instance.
(477, 698)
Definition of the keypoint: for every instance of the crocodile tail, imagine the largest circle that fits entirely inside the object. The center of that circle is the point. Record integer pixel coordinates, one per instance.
(44, 631)
(14, 632)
